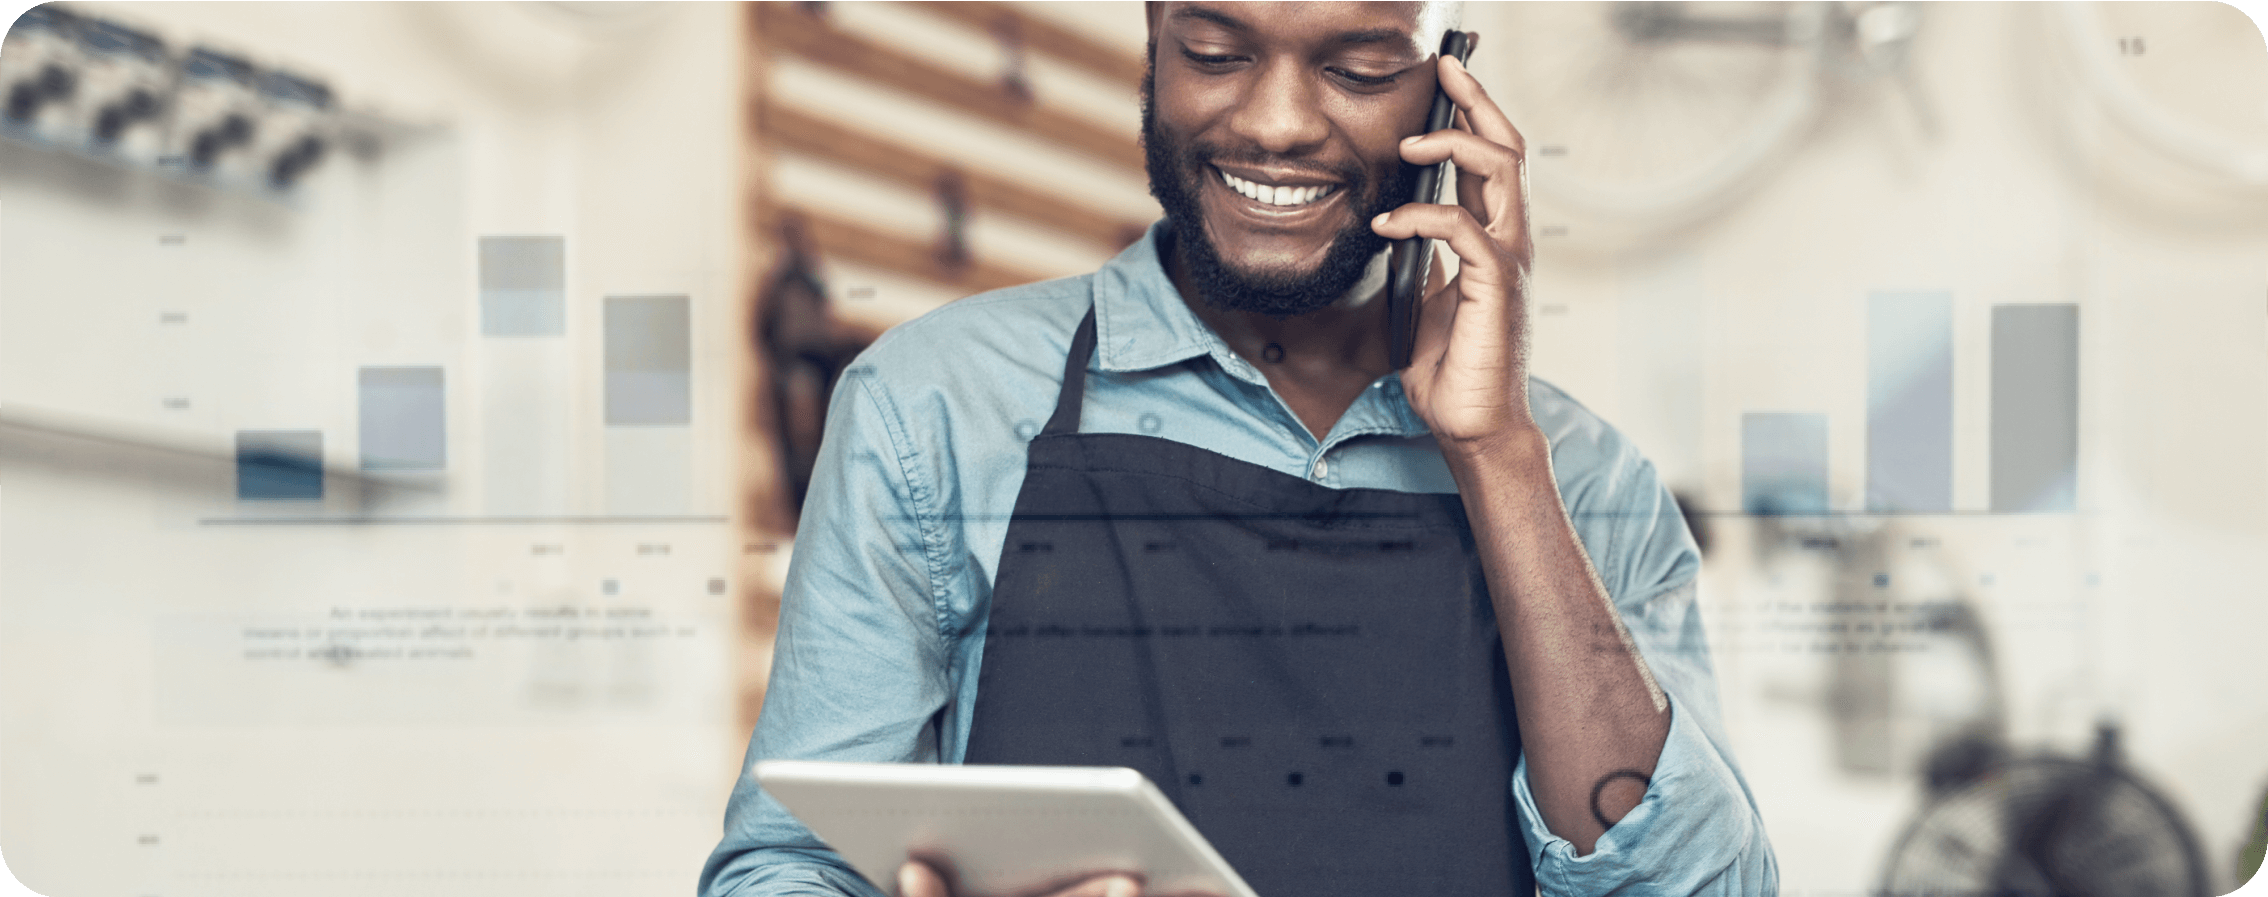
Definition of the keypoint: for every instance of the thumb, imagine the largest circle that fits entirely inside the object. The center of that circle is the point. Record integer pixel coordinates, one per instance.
(1112, 885)
(916, 879)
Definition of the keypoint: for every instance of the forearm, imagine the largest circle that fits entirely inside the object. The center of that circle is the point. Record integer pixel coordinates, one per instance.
(1587, 706)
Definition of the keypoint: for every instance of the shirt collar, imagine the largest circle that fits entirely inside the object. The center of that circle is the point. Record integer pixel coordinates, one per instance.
(1141, 324)
(1140, 321)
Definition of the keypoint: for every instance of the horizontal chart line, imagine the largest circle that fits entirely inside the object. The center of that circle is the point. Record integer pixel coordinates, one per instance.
(449, 521)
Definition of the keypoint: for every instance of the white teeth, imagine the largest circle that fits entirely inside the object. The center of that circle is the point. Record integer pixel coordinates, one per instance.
(1274, 196)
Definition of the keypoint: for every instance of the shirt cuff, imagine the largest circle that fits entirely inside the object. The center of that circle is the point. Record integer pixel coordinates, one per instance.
(783, 877)
(1695, 832)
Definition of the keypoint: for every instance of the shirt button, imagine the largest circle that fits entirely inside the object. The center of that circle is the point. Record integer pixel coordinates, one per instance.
(1322, 468)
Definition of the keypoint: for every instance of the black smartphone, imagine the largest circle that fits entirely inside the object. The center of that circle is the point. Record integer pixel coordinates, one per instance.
(1413, 257)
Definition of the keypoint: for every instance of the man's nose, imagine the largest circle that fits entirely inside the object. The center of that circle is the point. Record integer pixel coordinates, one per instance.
(1281, 114)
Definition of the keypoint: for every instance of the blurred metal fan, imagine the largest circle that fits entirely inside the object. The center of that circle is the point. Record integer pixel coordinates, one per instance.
(2044, 826)
(2213, 117)
(1647, 117)
(1645, 114)
(2163, 104)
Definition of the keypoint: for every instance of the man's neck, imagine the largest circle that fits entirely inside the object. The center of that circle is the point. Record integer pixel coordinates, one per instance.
(1319, 362)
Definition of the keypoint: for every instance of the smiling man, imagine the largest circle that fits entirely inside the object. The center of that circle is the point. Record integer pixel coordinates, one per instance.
(1373, 631)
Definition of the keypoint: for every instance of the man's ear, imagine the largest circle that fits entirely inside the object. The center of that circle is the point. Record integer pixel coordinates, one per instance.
(1151, 10)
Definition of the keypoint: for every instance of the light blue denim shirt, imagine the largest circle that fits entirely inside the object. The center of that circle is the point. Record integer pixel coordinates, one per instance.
(882, 621)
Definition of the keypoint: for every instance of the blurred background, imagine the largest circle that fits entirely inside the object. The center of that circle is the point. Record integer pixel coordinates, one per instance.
(404, 408)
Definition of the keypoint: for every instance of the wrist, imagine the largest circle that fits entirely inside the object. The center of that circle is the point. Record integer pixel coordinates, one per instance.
(1510, 448)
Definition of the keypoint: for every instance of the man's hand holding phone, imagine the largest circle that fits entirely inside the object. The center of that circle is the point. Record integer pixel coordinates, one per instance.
(1467, 376)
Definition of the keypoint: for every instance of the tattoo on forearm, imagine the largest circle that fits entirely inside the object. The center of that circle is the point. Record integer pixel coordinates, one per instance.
(1600, 788)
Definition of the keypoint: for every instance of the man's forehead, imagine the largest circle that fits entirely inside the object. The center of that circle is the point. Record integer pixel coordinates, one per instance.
(1418, 22)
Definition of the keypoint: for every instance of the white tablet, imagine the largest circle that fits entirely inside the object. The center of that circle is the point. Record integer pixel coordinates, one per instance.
(1005, 829)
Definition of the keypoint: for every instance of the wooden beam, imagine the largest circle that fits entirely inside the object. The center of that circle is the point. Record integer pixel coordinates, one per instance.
(786, 127)
(765, 510)
(788, 28)
(840, 238)
(1045, 36)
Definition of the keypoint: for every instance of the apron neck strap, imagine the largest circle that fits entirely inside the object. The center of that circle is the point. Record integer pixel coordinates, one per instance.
(1066, 418)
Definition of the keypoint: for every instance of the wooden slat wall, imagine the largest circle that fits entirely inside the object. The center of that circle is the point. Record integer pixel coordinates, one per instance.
(786, 127)
(789, 28)
(839, 237)
(807, 32)
(1047, 37)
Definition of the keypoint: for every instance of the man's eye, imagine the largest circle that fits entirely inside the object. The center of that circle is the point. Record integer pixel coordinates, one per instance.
(1361, 80)
(1210, 60)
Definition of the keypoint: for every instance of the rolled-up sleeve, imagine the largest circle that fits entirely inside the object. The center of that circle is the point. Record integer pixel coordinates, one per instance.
(859, 662)
(1694, 833)
(1697, 830)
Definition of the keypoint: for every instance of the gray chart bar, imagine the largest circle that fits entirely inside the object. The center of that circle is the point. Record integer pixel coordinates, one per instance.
(649, 361)
(2035, 407)
(523, 286)
(649, 405)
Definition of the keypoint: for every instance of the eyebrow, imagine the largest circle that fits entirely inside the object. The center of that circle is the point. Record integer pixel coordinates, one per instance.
(1367, 36)
(1212, 15)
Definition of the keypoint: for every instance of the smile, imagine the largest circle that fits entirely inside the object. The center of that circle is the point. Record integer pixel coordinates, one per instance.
(1285, 197)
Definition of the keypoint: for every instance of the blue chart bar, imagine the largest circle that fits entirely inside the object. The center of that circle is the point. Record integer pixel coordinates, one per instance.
(279, 465)
(649, 361)
(1783, 463)
(1909, 402)
(403, 419)
(2035, 407)
(523, 286)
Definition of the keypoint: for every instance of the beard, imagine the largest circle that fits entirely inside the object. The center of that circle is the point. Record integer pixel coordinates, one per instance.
(1178, 171)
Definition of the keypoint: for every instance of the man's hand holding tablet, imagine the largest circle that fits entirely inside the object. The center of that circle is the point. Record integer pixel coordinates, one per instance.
(1002, 831)
(919, 879)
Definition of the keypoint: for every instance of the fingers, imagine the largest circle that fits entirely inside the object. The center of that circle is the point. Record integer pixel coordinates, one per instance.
(1490, 153)
(919, 879)
(1481, 113)
(1469, 189)
(1482, 300)
(1489, 180)
(1482, 258)
(1436, 316)
(1114, 885)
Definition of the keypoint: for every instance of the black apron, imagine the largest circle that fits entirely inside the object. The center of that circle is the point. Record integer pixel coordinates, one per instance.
(1312, 675)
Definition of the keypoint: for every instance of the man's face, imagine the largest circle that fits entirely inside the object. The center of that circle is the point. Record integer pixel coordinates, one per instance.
(1272, 133)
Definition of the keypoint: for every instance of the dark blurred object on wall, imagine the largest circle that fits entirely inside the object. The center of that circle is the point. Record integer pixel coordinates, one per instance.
(2248, 859)
(805, 347)
(1689, 507)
